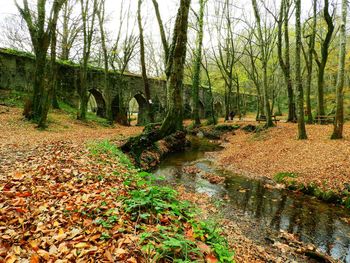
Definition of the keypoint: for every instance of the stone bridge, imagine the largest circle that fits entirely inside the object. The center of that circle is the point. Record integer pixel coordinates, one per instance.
(17, 69)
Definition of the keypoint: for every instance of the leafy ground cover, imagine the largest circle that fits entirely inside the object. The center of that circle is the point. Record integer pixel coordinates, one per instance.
(65, 198)
(318, 164)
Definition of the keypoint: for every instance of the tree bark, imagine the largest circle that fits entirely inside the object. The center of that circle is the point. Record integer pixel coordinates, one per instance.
(41, 29)
(174, 118)
(197, 65)
(262, 43)
(301, 123)
(339, 117)
(285, 62)
(88, 31)
(143, 65)
(324, 57)
(309, 63)
(100, 10)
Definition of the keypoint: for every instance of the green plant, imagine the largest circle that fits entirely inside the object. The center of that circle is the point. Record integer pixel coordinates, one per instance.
(209, 232)
(226, 127)
(147, 203)
(169, 245)
(105, 236)
(107, 148)
(280, 177)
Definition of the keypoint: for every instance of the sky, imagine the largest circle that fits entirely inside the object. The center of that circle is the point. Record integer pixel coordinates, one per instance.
(168, 9)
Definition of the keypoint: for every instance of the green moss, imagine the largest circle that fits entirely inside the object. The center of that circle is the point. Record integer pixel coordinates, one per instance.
(280, 177)
(226, 127)
(17, 53)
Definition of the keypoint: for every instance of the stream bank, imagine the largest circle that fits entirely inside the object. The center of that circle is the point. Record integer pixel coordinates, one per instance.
(264, 224)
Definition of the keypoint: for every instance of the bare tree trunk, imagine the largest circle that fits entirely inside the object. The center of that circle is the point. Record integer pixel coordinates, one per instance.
(285, 62)
(262, 43)
(197, 64)
(324, 57)
(100, 11)
(309, 63)
(41, 29)
(143, 65)
(301, 123)
(88, 31)
(52, 83)
(177, 56)
(339, 117)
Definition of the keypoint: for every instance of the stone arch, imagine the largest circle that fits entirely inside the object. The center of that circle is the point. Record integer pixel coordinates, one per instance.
(97, 103)
(218, 108)
(139, 110)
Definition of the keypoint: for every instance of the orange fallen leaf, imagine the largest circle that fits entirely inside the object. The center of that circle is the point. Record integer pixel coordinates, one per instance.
(109, 256)
(211, 259)
(34, 259)
(24, 194)
(18, 175)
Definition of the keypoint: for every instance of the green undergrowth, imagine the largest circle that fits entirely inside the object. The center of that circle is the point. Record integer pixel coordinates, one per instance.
(226, 127)
(13, 98)
(72, 112)
(168, 229)
(280, 177)
(341, 197)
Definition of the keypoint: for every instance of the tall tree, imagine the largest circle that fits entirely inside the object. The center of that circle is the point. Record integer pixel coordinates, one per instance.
(162, 34)
(100, 11)
(165, 44)
(177, 56)
(264, 54)
(88, 21)
(309, 60)
(120, 56)
(284, 59)
(251, 68)
(143, 64)
(205, 66)
(226, 55)
(339, 117)
(41, 29)
(196, 81)
(70, 28)
(324, 57)
(301, 122)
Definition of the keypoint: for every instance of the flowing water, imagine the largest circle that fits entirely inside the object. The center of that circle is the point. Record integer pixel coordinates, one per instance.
(323, 225)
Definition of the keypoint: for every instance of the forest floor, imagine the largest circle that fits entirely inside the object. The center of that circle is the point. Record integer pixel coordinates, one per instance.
(58, 199)
(67, 194)
(317, 161)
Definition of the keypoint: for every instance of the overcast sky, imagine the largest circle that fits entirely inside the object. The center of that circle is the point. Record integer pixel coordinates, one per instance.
(168, 10)
(241, 9)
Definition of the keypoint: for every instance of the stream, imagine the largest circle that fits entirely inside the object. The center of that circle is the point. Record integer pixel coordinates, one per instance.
(313, 221)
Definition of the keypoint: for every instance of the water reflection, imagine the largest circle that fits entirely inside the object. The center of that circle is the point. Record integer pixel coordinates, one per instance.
(313, 221)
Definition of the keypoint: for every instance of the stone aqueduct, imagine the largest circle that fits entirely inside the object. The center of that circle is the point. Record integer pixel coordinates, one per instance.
(16, 73)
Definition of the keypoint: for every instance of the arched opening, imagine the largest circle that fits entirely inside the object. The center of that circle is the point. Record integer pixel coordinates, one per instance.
(138, 110)
(218, 108)
(201, 110)
(97, 103)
